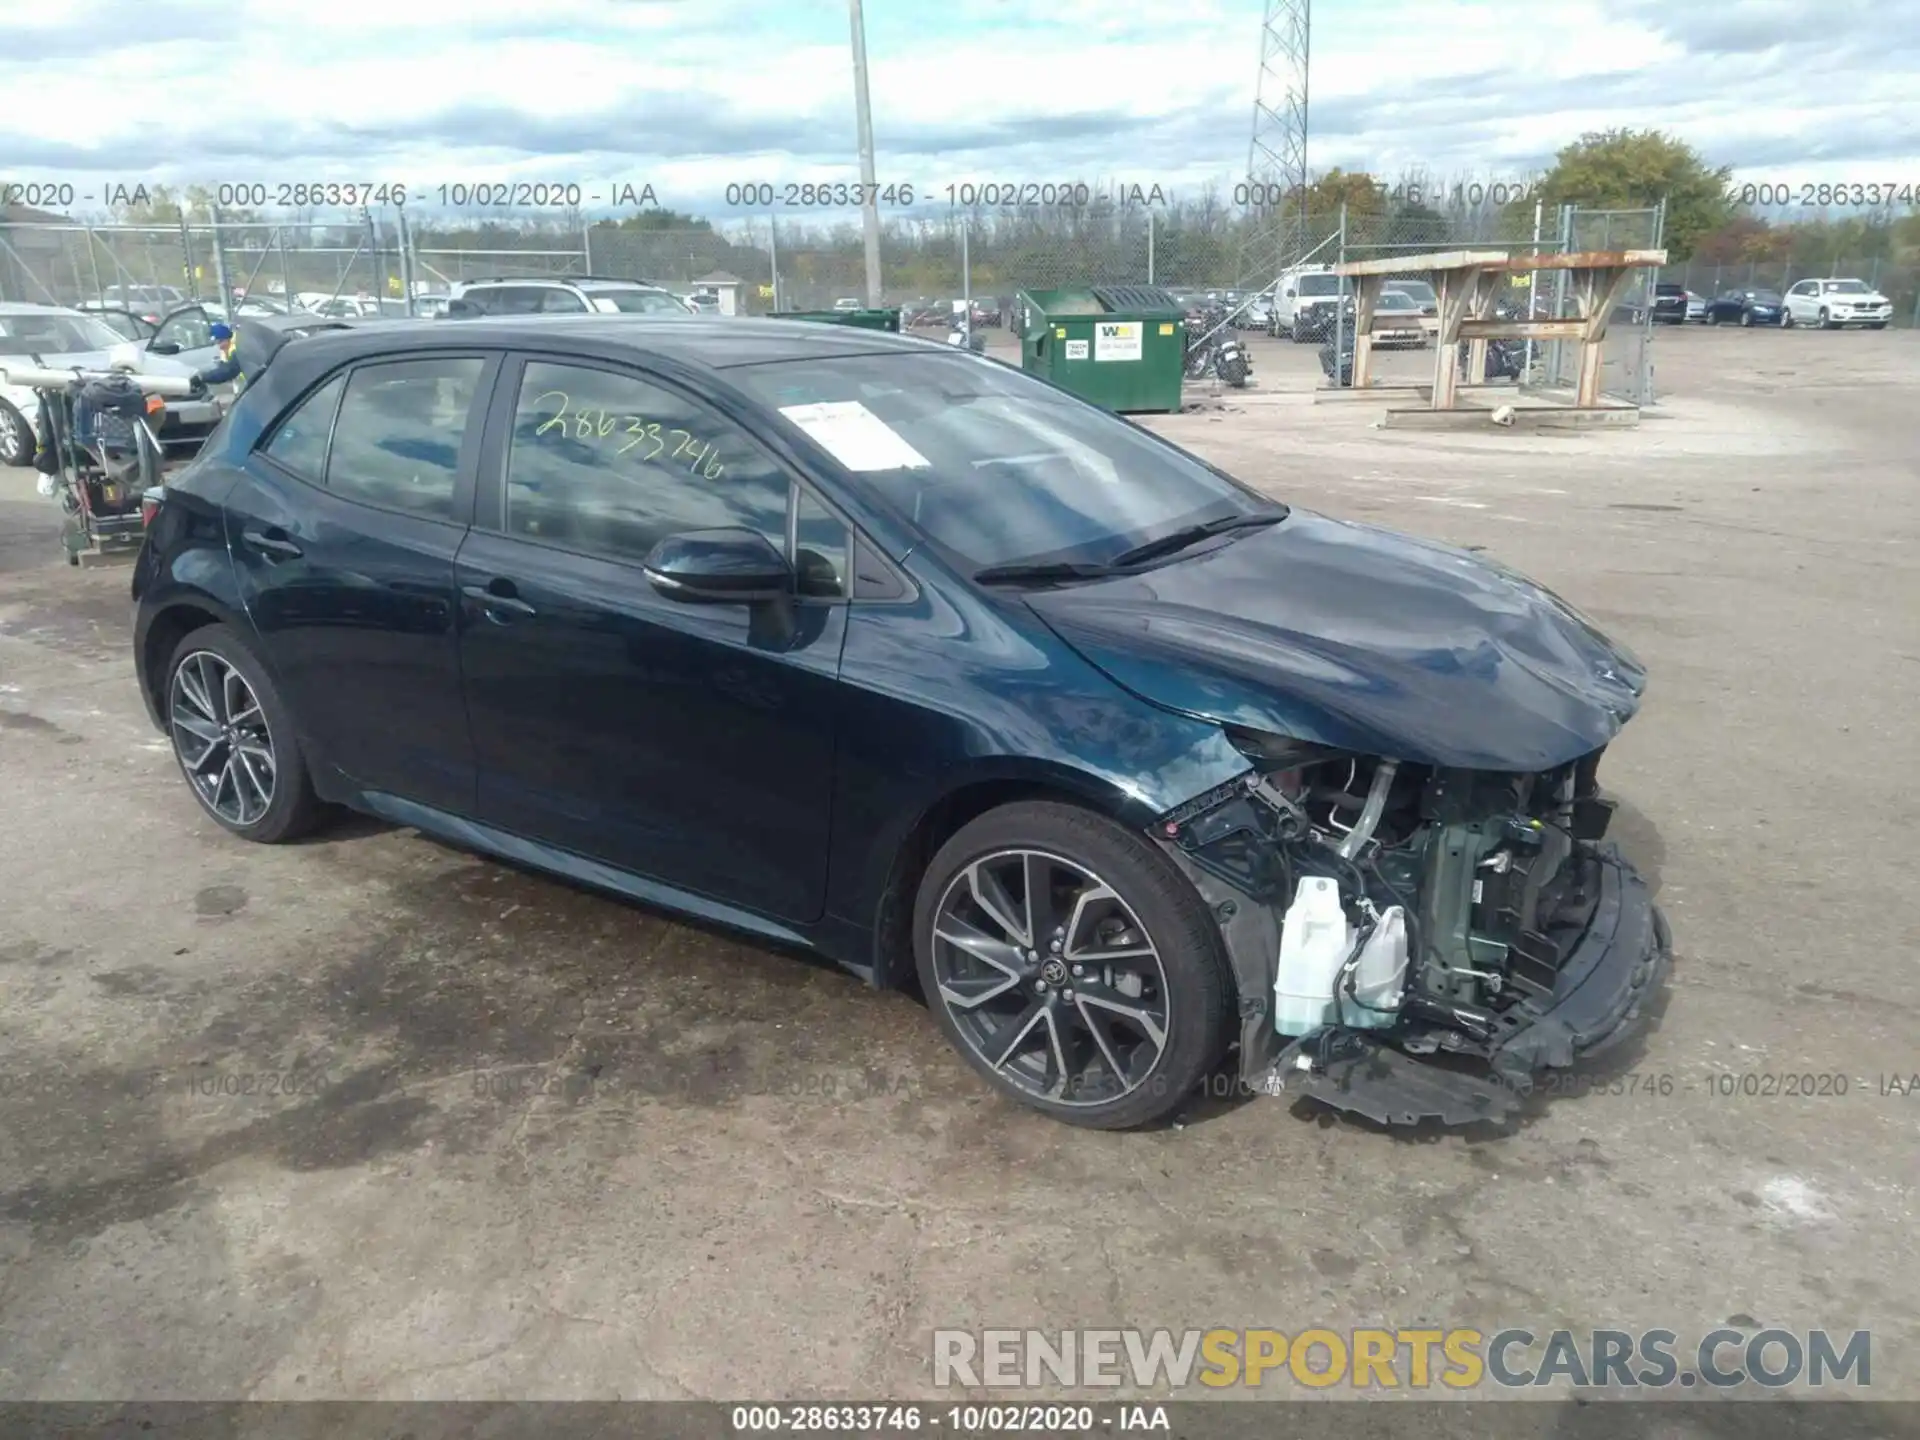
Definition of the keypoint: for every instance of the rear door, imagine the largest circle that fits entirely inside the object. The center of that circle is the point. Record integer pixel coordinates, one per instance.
(690, 743)
(343, 533)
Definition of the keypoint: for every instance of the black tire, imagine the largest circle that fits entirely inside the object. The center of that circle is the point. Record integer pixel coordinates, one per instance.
(1178, 927)
(1746, 318)
(1786, 320)
(16, 437)
(1876, 324)
(292, 810)
(1826, 320)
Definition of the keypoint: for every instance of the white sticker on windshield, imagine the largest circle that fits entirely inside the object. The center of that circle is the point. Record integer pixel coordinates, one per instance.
(855, 436)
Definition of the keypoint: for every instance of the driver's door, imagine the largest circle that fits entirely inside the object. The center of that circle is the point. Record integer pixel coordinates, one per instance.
(692, 743)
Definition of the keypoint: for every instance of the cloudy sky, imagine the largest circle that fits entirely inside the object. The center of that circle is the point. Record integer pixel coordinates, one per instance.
(688, 95)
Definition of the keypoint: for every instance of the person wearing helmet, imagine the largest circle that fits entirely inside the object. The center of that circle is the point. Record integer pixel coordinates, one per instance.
(227, 367)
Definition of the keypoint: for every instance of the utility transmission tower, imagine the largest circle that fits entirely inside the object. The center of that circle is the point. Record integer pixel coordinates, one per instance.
(1277, 153)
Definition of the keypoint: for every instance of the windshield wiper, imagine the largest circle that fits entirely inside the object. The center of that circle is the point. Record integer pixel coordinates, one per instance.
(1191, 535)
(1041, 574)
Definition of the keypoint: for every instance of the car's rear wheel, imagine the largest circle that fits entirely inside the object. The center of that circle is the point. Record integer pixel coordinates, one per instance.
(16, 437)
(234, 740)
(1072, 965)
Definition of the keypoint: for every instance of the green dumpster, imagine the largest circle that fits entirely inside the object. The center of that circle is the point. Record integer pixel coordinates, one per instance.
(1121, 346)
(859, 319)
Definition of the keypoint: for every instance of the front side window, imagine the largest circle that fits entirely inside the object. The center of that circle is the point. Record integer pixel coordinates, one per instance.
(397, 441)
(505, 300)
(561, 302)
(606, 462)
(995, 467)
(1320, 285)
(189, 329)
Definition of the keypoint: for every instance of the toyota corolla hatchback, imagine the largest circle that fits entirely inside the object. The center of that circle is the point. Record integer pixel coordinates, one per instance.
(854, 641)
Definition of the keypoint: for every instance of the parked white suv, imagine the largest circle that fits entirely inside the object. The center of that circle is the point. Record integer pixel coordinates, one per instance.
(563, 295)
(1834, 303)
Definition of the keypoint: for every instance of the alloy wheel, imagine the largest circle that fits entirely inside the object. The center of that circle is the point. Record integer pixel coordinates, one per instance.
(1050, 978)
(220, 734)
(14, 448)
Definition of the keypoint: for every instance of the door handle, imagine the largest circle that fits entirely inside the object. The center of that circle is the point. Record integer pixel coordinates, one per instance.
(271, 543)
(495, 602)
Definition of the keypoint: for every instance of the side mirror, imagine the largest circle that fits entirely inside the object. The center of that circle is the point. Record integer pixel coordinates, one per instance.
(736, 565)
(164, 347)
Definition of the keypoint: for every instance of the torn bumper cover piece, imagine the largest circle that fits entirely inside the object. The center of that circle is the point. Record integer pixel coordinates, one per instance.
(1529, 943)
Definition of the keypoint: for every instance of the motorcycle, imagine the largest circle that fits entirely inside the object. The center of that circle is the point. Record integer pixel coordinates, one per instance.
(99, 454)
(1211, 347)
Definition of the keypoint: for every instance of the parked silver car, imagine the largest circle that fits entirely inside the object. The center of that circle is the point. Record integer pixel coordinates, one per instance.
(56, 338)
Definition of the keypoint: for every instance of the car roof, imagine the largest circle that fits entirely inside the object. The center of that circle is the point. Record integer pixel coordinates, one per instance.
(688, 340)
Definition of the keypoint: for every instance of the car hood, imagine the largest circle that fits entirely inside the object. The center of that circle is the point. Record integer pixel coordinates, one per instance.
(1356, 637)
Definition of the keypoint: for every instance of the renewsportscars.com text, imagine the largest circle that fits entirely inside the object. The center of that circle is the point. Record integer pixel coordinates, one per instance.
(1413, 1359)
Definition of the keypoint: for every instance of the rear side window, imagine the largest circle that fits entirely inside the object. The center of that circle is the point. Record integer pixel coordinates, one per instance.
(561, 302)
(397, 441)
(300, 443)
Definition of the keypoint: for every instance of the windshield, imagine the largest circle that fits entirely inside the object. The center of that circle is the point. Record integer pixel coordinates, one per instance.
(1845, 287)
(638, 302)
(1394, 300)
(1422, 292)
(55, 334)
(1319, 285)
(991, 465)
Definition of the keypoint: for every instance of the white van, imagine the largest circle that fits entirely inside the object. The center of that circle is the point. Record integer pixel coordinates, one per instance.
(1306, 302)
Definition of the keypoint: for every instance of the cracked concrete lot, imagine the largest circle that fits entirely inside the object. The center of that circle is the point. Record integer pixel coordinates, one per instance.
(368, 1117)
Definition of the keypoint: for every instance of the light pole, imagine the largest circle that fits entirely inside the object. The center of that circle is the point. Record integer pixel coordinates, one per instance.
(869, 187)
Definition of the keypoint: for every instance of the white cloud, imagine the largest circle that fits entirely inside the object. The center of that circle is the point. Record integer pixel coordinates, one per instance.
(691, 94)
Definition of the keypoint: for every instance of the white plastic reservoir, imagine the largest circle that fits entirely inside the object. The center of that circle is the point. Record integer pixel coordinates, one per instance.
(1316, 942)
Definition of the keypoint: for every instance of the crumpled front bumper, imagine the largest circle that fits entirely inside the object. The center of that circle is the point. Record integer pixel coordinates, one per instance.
(1602, 998)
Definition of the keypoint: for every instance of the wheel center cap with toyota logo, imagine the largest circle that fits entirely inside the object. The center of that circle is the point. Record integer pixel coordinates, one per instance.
(1054, 973)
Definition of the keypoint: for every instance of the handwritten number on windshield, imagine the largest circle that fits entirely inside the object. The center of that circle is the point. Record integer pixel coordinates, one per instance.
(697, 455)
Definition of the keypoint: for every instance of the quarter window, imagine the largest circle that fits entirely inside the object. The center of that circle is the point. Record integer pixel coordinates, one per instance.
(606, 462)
(397, 441)
(300, 443)
(822, 550)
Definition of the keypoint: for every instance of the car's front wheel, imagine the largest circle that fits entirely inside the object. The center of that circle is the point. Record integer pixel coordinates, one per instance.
(1072, 965)
(234, 740)
(16, 437)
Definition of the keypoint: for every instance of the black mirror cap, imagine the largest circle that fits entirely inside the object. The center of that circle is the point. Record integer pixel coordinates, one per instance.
(164, 347)
(734, 565)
